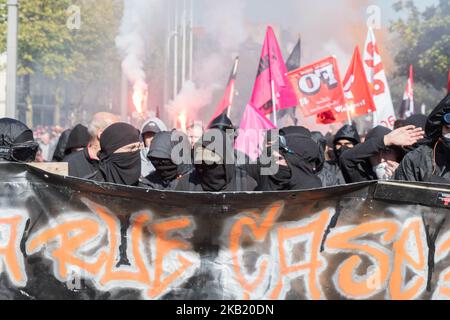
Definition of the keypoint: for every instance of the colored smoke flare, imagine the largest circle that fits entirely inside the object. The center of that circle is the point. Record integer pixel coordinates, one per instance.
(140, 96)
(182, 121)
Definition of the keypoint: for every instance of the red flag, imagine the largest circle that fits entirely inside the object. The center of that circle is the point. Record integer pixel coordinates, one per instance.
(318, 87)
(272, 69)
(448, 85)
(407, 108)
(227, 99)
(357, 92)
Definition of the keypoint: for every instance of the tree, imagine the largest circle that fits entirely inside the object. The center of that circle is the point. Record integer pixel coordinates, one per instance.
(47, 45)
(423, 40)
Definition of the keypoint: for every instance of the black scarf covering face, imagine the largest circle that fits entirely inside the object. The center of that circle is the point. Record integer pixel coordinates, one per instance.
(119, 168)
(213, 178)
(160, 155)
(166, 169)
(302, 155)
(217, 177)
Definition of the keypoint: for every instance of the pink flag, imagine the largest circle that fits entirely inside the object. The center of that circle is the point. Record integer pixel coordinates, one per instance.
(272, 68)
(251, 134)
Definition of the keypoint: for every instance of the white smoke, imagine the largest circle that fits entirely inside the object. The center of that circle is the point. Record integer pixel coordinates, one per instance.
(190, 100)
(224, 25)
(132, 39)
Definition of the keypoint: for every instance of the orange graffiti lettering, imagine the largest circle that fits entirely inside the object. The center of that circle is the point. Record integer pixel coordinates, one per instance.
(10, 253)
(111, 274)
(441, 251)
(163, 247)
(343, 241)
(69, 242)
(401, 256)
(259, 228)
(316, 228)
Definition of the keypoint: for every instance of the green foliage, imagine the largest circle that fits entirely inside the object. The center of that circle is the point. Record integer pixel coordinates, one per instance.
(46, 44)
(423, 94)
(424, 41)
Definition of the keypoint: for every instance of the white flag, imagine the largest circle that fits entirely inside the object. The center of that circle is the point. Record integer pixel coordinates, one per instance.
(384, 115)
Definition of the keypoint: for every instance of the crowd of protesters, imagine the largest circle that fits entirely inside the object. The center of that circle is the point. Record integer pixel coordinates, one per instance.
(418, 149)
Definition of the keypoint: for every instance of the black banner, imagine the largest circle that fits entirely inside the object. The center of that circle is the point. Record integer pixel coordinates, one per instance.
(66, 238)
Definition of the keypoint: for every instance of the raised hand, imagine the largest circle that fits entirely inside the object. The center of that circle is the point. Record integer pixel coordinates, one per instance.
(404, 137)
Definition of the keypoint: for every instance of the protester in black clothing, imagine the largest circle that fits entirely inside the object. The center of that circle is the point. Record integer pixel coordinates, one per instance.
(16, 141)
(379, 156)
(430, 162)
(167, 173)
(346, 138)
(78, 139)
(329, 173)
(119, 155)
(215, 168)
(60, 150)
(298, 159)
(84, 164)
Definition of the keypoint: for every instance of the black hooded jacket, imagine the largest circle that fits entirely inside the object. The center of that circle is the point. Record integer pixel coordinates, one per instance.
(355, 163)
(81, 165)
(16, 141)
(329, 172)
(167, 173)
(347, 132)
(219, 177)
(79, 138)
(429, 162)
(303, 157)
(60, 150)
(14, 132)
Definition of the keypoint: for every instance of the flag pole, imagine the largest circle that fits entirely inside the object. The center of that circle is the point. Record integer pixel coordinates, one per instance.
(349, 116)
(274, 103)
(236, 64)
(230, 101)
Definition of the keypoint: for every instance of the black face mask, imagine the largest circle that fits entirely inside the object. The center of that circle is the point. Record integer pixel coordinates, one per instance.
(282, 177)
(339, 152)
(166, 169)
(122, 168)
(213, 177)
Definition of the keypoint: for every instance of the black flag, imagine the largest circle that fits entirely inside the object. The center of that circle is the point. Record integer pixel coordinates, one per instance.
(294, 60)
(292, 63)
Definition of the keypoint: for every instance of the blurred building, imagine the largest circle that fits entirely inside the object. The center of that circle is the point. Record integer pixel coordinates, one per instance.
(2, 85)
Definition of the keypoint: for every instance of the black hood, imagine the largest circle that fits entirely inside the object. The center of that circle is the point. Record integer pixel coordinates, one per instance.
(417, 120)
(79, 138)
(378, 132)
(321, 141)
(14, 132)
(433, 128)
(303, 157)
(347, 132)
(16, 141)
(60, 150)
(160, 154)
(222, 122)
(300, 142)
(161, 146)
(216, 177)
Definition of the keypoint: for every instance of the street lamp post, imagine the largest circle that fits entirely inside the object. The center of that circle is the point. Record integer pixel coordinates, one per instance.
(11, 70)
